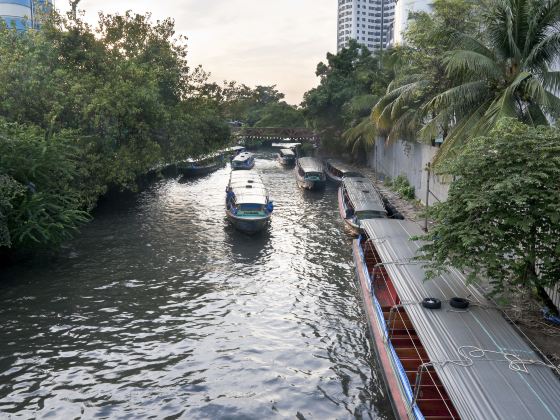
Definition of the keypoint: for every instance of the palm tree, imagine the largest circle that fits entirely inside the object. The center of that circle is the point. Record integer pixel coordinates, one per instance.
(362, 132)
(503, 72)
(506, 73)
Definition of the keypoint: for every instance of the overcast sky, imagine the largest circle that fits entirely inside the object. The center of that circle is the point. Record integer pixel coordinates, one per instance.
(252, 41)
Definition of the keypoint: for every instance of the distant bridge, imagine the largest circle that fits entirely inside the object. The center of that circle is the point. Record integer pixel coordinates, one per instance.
(275, 133)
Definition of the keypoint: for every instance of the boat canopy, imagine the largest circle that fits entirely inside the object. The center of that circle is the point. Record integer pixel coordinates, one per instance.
(363, 195)
(248, 187)
(242, 157)
(476, 353)
(309, 164)
(343, 168)
(287, 152)
(286, 145)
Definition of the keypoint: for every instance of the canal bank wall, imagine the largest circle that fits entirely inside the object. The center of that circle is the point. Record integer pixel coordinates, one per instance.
(409, 159)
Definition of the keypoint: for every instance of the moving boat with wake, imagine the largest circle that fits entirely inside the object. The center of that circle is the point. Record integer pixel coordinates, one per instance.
(287, 157)
(248, 206)
(309, 173)
(244, 160)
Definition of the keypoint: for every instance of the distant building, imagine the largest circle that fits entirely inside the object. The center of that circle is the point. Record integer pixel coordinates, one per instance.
(23, 14)
(366, 21)
(402, 10)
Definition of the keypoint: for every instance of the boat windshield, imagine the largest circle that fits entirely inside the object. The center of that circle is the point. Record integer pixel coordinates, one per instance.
(314, 176)
(251, 210)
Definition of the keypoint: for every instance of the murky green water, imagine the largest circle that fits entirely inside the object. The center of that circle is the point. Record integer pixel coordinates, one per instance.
(160, 309)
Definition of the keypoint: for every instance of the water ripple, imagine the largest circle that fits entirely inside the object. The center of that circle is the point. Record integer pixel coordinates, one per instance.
(161, 309)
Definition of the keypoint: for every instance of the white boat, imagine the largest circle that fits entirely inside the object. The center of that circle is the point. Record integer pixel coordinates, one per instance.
(244, 160)
(248, 206)
(310, 174)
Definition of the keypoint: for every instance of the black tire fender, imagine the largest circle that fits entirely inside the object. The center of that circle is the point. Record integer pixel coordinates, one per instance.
(431, 303)
(459, 303)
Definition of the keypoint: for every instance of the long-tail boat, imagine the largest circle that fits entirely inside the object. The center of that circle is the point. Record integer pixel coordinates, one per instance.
(445, 351)
(286, 157)
(337, 170)
(201, 166)
(244, 160)
(310, 173)
(358, 200)
(248, 206)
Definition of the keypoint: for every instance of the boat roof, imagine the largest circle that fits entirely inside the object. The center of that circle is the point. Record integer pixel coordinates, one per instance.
(309, 164)
(363, 194)
(286, 145)
(287, 152)
(342, 167)
(243, 156)
(487, 389)
(248, 187)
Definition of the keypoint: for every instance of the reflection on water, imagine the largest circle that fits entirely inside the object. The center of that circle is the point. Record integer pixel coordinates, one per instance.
(161, 309)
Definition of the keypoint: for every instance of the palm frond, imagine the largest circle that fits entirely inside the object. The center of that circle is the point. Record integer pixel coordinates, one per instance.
(464, 62)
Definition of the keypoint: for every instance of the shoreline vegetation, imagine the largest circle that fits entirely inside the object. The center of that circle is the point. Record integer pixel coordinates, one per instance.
(87, 110)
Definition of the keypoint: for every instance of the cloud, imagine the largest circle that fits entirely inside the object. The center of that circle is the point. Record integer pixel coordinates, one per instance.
(252, 41)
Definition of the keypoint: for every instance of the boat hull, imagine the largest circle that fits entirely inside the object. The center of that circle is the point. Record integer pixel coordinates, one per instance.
(198, 171)
(309, 185)
(332, 177)
(352, 227)
(286, 162)
(381, 350)
(248, 225)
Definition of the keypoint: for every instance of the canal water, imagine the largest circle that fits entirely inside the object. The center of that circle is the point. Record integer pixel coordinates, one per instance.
(159, 309)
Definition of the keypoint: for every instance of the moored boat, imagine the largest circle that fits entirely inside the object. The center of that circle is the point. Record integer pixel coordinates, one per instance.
(244, 160)
(309, 173)
(248, 206)
(201, 166)
(233, 151)
(443, 356)
(287, 157)
(359, 200)
(337, 170)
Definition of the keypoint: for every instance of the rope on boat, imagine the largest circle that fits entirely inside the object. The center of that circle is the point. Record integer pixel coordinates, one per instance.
(515, 362)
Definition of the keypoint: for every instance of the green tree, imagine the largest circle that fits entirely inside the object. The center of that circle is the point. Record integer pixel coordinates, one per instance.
(41, 203)
(332, 107)
(502, 218)
(505, 72)
(280, 114)
(420, 71)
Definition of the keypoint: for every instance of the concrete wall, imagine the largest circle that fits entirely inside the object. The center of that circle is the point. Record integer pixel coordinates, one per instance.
(409, 159)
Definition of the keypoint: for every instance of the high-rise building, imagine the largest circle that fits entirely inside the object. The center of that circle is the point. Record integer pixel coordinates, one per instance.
(402, 11)
(23, 14)
(366, 21)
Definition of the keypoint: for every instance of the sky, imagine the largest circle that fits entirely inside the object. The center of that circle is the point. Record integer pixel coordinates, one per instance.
(256, 42)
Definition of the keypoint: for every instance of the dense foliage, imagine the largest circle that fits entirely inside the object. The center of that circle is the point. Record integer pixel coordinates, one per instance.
(262, 106)
(502, 218)
(83, 110)
(350, 84)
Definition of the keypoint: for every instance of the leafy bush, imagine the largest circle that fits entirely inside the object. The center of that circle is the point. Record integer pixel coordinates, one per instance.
(502, 217)
(40, 204)
(401, 185)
